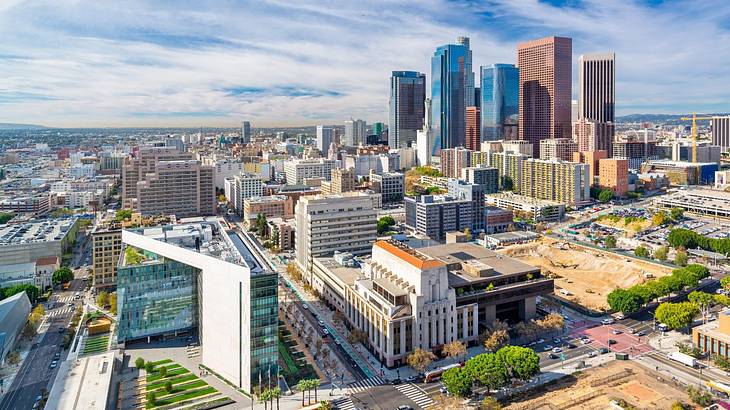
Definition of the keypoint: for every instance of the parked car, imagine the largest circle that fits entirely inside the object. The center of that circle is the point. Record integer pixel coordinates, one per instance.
(321, 323)
(553, 356)
(616, 332)
(557, 350)
(548, 347)
(603, 350)
(607, 321)
(612, 342)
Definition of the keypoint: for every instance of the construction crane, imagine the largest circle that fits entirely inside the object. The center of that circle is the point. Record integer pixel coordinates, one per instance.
(694, 119)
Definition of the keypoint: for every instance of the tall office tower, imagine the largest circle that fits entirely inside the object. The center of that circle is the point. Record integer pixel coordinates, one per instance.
(424, 137)
(182, 188)
(377, 129)
(329, 224)
(558, 148)
(406, 104)
(574, 111)
(478, 97)
(597, 87)
(135, 169)
(721, 132)
(473, 128)
(206, 279)
(453, 160)
(325, 136)
(499, 101)
(469, 76)
(545, 89)
(447, 97)
(593, 136)
(355, 133)
(245, 132)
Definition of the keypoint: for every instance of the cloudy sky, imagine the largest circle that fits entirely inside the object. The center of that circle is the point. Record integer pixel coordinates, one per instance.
(83, 63)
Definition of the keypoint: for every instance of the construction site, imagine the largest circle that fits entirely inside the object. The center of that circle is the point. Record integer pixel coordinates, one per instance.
(621, 382)
(584, 275)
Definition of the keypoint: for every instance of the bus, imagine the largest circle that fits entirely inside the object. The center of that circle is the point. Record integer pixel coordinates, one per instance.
(433, 375)
(718, 388)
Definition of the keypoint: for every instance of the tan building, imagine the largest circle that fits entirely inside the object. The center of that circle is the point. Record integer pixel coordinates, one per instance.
(597, 87)
(714, 337)
(270, 206)
(136, 168)
(557, 148)
(563, 182)
(614, 174)
(453, 160)
(593, 136)
(343, 180)
(180, 188)
(44, 269)
(591, 158)
(545, 89)
(473, 128)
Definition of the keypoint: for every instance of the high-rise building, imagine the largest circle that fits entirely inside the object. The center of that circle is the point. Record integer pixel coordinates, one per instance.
(614, 175)
(558, 148)
(469, 73)
(241, 187)
(202, 278)
(135, 168)
(329, 224)
(435, 215)
(325, 136)
(406, 105)
(448, 100)
(591, 158)
(499, 101)
(453, 160)
(593, 136)
(182, 188)
(343, 180)
(463, 190)
(245, 132)
(473, 128)
(545, 89)
(377, 129)
(597, 87)
(296, 170)
(721, 132)
(355, 133)
(564, 182)
(425, 137)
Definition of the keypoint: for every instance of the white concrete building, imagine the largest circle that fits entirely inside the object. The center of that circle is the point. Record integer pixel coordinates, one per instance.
(242, 187)
(296, 170)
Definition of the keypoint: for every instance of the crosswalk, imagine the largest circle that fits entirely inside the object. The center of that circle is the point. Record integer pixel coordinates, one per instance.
(65, 299)
(365, 384)
(343, 403)
(415, 394)
(60, 311)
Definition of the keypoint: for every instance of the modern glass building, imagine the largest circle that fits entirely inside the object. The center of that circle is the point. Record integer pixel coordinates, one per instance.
(448, 97)
(202, 275)
(500, 85)
(405, 118)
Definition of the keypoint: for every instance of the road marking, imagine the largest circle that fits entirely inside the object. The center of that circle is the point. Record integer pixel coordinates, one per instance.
(365, 384)
(415, 394)
(343, 403)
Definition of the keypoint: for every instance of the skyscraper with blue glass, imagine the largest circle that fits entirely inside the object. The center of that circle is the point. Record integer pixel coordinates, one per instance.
(500, 85)
(407, 94)
(448, 97)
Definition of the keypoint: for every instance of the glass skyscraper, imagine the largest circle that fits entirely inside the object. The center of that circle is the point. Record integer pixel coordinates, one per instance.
(448, 97)
(407, 93)
(500, 85)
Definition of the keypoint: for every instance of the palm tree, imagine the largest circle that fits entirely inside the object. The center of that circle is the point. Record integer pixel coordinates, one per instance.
(302, 385)
(265, 396)
(275, 394)
(315, 385)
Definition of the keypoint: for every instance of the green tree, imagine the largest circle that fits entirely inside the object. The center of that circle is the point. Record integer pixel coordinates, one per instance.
(661, 253)
(420, 359)
(13, 358)
(149, 367)
(681, 258)
(605, 195)
(123, 215)
(725, 282)
(102, 299)
(384, 224)
(139, 363)
(682, 238)
(520, 362)
(698, 396)
(168, 387)
(62, 275)
(490, 403)
(163, 371)
(5, 217)
(703, 301)
(458, 381)
(676, 315)
(641, 251)
(676, 213)
(487, 370)
(722, 362)
(626, 301)
(113, 303)
(609, 241)
(152, 399)
(659, 218)
(303, 385)
(31, 291)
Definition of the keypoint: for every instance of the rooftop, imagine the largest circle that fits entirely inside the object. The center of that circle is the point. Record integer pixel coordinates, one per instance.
(35, 232)
(409, 255)
(83, 383)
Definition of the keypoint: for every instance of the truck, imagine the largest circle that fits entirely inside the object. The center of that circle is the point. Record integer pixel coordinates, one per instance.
(685, 359)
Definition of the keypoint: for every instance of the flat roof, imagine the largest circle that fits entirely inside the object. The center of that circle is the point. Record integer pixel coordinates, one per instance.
(345, 274)
(390, 287)
(82, 383)
(35, 232)
(513, 236)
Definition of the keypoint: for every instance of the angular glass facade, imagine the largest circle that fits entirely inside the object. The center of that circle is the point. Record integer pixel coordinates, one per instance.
(448, 97)
(264, 326)
(500, 84)
(155, 297)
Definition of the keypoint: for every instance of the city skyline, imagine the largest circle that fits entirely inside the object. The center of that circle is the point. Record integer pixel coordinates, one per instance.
(276, 64)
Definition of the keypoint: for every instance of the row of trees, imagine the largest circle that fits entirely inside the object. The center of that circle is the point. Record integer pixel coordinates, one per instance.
(32, 291)
(307, 385)
(492, 370)
(681, 315)
(686, 239)
(632, 299)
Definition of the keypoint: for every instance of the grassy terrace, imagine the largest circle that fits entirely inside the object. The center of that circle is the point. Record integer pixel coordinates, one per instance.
(186, 388)
(96, 344)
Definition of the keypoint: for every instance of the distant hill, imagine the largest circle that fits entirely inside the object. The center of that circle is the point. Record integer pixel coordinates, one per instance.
(9, 126)
(656, 118)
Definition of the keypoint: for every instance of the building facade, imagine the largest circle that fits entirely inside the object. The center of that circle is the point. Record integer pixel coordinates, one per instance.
(296, 170)
(500, 84)
(355, 133)
(558, 148)
(614, 174)
(183, 188)
(597, 87)
(448, 97)
(391, 185)
(486, 177)
(453, 160)
(721, 132)
(325, 137)
(406, 107)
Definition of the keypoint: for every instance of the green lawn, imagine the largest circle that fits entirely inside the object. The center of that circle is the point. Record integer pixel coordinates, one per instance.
(179, 388)
(185, 385)
(185, 396)
(174, 372)
(178, 379)
(96, 344)
(163, 361)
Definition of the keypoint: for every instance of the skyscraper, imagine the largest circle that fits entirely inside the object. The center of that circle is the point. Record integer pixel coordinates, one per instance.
(355, 133)
(324, 138)
(424, 137)
(473, 129)
(406, 108)
(545, 89)
(245, 132)
(721, 132)
(500, 86)
(448, 100)
(469, 73)
(597, 87)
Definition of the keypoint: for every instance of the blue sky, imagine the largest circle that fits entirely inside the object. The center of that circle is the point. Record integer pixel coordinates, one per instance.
(214, 63)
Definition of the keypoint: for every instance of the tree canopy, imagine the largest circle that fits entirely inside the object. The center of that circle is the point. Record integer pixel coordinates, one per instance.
(605, 195)
(384, 224)
(62, 275)
(458, 381)
(625, 301)
(610, 241)
(30, 290)
(677, 315)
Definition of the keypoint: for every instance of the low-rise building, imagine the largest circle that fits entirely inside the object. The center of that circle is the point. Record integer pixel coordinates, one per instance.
(708, 202)
(497, 219)
(434, 215)
(273, 206)
(44, 269)
(713, 338)
(390, 184)
(531, 208)
(27, 242)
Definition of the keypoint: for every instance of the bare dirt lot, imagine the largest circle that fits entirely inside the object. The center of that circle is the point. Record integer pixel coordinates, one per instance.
(595, 388)
(588, 274)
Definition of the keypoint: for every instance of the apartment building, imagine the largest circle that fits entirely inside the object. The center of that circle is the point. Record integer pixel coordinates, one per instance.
(343, 180)
(614, 175)
(337, 223)
(391, 185)
(593, 136)
(434, 215)
(557, 148)
(241, 187)
(183, 188)
(145, 161)
(453, 160)
(564, 182)
(296, 170)
(273, 206)
(536, 209)
(486, 177)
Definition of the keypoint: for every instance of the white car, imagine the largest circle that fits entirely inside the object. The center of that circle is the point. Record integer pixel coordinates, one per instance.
(585, 341)
(607, 321)
(557, 350)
